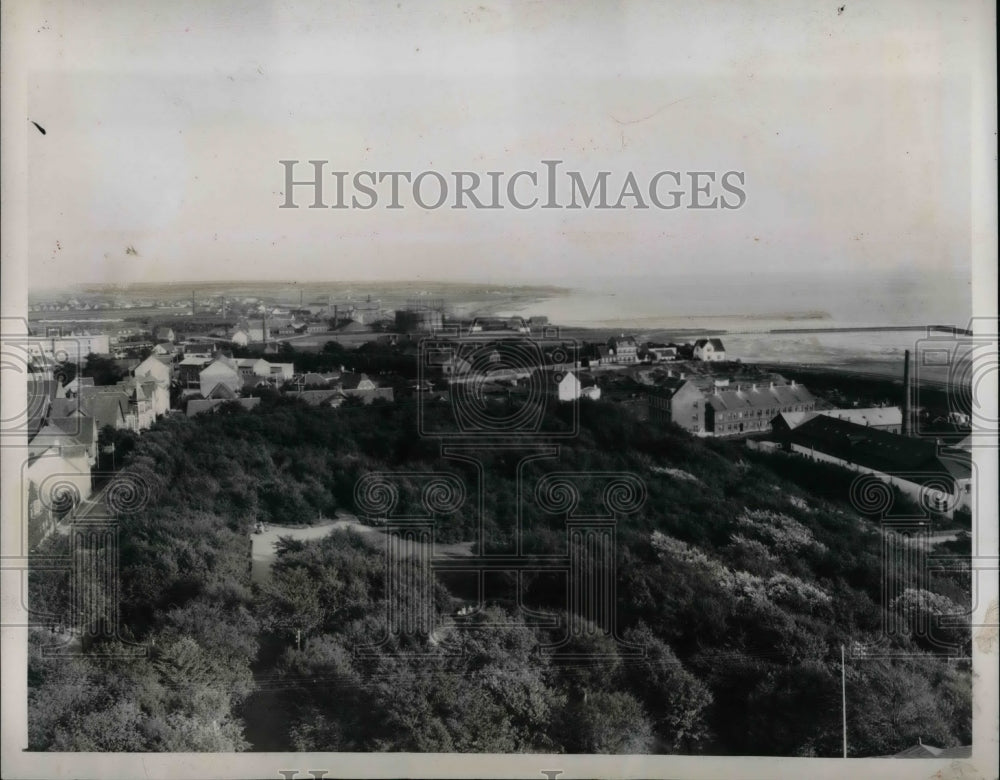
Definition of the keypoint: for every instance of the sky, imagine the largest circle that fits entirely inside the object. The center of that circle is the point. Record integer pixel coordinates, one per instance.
(165, 123)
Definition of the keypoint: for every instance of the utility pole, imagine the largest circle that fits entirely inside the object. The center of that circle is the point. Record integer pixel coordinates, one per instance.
(298, 646)
(843, 697)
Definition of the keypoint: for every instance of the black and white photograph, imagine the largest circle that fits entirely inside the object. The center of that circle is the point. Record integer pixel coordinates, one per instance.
(499, 389)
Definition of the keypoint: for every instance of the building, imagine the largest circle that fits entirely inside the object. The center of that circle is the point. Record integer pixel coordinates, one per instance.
(72, 348)
(623, 350)
(661, 352)
(679, 401)
(157, 372)
(709, 350)
(73, 431)
(352, 381)
(882, 418)
(189, 369)
(201, 405)
(567, 386)
(107, 406)
(222, 370)
(419, 318)
(734, 410)
(563, 385)
(935, 478)
(59, 478)
(163, 333)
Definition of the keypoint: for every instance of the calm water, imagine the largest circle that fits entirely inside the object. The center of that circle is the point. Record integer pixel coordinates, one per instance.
(655, 307)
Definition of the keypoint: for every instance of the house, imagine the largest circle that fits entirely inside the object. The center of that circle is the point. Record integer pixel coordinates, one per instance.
(75, 431)
(353, 381)
(189, 369)
(166, 351)
(328, 398)
(163, 333)
(563, 385)
(661, 352)
(709, 349)
(221, 370)
(250, 367)
(155, 371)
(370, 395)
(311, 378)
(200, 405)
(935, 478)
(222, 392)
(72, 389)
(282, 371)
(59, 478)
(240, 337)
(623, 349)
(140, 392)
(741, 409)
(108, 406)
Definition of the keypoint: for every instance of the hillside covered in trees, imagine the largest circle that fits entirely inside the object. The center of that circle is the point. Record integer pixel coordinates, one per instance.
(739, 578)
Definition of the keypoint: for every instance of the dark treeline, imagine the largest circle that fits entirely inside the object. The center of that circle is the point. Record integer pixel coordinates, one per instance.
(737, 586)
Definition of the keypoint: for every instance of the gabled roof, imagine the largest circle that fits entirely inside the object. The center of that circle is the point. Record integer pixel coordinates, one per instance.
(106, 408)
(716, 344)
(41, 394)
(64, 407)
(200, 405)
(83, 429)
(384, 393)
(765, 396)
(318, 397)
(350, 380)
(224, 392)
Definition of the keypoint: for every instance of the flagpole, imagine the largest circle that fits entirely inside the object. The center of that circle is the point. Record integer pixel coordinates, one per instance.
(843, 697)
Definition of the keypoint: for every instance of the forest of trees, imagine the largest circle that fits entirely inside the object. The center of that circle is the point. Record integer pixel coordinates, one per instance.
(739, 579)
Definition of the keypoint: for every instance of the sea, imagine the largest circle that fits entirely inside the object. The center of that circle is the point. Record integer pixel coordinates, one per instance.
(749, 312)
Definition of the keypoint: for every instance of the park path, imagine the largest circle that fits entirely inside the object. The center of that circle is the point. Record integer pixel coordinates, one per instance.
(264, 543)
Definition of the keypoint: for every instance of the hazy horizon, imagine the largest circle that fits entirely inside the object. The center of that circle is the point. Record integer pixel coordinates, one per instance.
(163, 135)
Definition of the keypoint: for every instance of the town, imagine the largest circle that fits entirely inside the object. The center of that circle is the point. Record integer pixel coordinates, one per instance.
(89, 384)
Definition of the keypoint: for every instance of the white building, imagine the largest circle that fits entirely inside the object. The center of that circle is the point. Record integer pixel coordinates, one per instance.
(709, 349)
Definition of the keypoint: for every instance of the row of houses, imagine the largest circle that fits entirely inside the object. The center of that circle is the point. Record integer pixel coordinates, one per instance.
(626, 350)
(713, 407)
(64, 428)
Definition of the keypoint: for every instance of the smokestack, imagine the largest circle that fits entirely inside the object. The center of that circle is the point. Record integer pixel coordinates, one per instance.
(906, 393)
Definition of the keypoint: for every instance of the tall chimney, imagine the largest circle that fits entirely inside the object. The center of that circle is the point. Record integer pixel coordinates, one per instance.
(906, 393)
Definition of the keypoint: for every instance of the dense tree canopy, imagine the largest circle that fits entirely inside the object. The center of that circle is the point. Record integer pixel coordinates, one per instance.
(739, 578)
